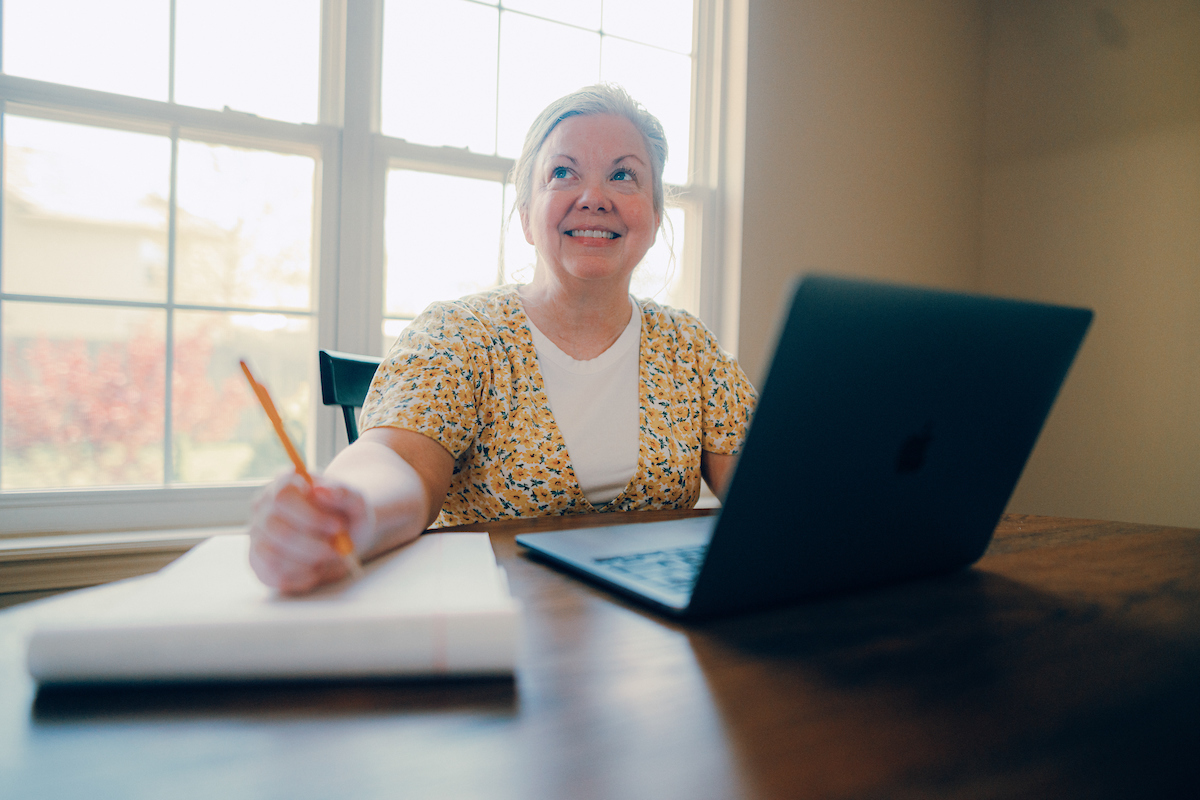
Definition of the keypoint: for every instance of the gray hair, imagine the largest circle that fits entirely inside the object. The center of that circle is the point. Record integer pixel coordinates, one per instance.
(603, 98)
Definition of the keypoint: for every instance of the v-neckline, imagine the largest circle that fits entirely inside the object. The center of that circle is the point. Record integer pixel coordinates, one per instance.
(546, 416)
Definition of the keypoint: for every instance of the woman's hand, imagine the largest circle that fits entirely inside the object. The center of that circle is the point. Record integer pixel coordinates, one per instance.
(292, 529)
(383, 490)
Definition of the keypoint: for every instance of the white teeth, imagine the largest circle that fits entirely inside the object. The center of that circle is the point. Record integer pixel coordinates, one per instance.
(593, 234)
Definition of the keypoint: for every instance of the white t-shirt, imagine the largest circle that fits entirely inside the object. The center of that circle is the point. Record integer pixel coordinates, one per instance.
(595, 404)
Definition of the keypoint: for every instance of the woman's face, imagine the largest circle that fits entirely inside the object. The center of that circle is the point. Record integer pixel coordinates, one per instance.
(591, 210)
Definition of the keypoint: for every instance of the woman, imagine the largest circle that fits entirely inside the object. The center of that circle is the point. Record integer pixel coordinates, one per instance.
(565, 395)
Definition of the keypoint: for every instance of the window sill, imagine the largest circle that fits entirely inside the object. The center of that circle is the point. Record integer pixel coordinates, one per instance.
(69, 561)
(36, 512)
(54, 562)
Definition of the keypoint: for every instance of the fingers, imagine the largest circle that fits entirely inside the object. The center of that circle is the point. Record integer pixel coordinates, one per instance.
(350, 509)
(293, 577)
(291, 536)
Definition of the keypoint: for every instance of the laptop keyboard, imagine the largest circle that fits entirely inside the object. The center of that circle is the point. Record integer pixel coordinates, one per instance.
(675, 568)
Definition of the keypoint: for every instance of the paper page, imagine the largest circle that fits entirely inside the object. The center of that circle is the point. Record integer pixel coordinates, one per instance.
(436, 605)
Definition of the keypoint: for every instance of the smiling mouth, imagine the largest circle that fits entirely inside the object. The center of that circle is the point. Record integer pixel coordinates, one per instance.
(593, 234)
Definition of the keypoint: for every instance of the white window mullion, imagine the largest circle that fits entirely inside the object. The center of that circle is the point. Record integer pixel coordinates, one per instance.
(169, 355)
(357, 323)
(171, 55)
(74, 104)
(355, 260)
(718, 130)
(172, 220)
(326, 424)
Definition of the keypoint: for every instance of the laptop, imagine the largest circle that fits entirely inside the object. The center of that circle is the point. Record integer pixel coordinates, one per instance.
(889, 435)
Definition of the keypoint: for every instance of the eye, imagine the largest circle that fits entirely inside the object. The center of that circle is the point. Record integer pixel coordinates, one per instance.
(558, 173)
(624, 175)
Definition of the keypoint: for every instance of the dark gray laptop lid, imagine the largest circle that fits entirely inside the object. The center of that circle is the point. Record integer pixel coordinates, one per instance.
(889, 435)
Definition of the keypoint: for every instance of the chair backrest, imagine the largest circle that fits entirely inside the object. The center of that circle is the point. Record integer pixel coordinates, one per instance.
(345, 379)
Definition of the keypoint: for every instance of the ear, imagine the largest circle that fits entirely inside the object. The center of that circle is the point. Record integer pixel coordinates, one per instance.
(524, 212)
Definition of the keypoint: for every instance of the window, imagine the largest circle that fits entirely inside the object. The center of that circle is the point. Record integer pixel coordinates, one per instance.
(485, 80)
(130, 257)
(187, 182)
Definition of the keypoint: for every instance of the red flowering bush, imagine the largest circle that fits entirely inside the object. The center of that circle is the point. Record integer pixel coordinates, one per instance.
(105, 402)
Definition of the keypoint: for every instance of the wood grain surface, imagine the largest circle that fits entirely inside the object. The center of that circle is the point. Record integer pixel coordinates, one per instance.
(1064, 664)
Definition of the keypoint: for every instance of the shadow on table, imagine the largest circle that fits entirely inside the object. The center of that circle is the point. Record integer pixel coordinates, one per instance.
(279, 699)
(969, 685)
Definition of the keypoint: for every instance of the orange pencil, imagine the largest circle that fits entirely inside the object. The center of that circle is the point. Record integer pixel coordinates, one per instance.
(341, 540)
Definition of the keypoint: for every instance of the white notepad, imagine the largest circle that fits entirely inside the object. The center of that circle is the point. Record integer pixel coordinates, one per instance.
(438, 606)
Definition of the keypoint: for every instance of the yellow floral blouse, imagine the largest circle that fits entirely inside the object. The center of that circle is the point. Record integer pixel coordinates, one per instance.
(465, 374)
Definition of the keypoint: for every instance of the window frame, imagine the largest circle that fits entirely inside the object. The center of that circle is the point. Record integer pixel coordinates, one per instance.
(136, 507)
(353, 160)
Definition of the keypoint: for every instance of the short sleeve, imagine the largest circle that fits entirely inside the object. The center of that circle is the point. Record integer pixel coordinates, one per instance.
(431, 381)
(727, 399)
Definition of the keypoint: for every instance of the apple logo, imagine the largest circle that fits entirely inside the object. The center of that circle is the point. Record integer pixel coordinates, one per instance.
(911, 456)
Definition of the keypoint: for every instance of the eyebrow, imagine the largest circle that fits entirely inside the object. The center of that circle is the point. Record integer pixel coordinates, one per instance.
(615, 160)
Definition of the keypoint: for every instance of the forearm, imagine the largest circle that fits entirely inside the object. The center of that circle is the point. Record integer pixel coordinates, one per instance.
(397, 500)
(717, 470)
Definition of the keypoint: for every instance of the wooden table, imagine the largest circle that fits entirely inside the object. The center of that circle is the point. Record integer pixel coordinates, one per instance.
(1065, 664)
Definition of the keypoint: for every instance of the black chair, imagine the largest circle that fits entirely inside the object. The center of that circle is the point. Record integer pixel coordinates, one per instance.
(345, 379)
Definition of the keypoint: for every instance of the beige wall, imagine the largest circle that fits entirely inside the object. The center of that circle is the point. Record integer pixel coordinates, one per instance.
(864, 124)
(1039, 149)
(1092, 197)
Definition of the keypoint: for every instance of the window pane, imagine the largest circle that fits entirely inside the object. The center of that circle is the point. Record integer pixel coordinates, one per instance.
(392, 328)
(220, 432)
(262, 57)
(663, 23)
(82, 396)
(519, 255)
(116, 46)
(584, 13)
(659, 276)
(662, 82)
(539, 63)
(244, 227)
(85, 211)
(439, 73)
(442, 239)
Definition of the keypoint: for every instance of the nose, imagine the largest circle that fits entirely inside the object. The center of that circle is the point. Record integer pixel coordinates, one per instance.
(593, 197)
